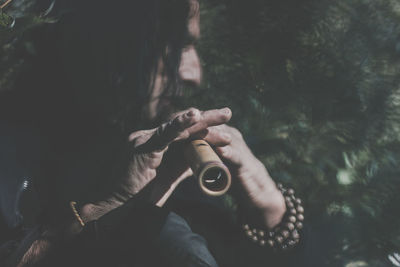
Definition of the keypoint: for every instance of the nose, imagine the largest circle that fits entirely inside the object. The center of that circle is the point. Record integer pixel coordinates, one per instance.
(190, 67)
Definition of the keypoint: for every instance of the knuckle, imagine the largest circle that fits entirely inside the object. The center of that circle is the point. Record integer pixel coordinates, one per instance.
(151, 173)
(152, 159)
(227, 137)
(227, 152)
(220, 128)
(139, 140)
(192, 109)
(135, 135)
(154, 155)
(88, 208)
(235, 132)
(153, 164)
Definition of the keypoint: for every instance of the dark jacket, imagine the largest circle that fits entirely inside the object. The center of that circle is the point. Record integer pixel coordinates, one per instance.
(192, 230)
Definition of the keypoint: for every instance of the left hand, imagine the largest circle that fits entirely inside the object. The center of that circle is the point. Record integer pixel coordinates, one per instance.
(252, 175)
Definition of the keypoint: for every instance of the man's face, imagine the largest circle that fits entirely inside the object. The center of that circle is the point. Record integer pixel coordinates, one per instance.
(189, 68)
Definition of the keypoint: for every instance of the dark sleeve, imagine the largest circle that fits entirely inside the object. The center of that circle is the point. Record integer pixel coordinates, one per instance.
(123, 235)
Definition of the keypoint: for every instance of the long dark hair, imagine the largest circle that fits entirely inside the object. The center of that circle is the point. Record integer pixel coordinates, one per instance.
(104, 54)
(95, 67)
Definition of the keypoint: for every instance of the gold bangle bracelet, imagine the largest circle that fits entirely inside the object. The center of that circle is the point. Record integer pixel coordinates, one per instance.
(77, 216)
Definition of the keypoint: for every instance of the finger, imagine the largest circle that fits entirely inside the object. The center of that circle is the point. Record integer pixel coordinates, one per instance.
(211, 118)
(228, 154)
(173, 130)
(138, 134)
(162, 191)
(215, 136)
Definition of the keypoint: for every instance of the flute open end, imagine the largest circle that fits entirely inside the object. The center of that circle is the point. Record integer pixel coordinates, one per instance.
(213, 176)
(214, 179)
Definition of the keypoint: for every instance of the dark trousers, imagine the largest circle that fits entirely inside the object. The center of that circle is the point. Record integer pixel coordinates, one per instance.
(179, 246)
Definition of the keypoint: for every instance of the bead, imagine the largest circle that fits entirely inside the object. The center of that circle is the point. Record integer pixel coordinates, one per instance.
(261, 233)
(279, 239)
(292, 219)
(271, 234)
(295, 234)
(290, 205)
(300, 209)
(290, 226)
(299, 225)
(290, 191)
(249, 233)
(285, 233)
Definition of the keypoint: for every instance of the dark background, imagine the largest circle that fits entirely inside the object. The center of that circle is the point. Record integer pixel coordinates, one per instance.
(314, 87)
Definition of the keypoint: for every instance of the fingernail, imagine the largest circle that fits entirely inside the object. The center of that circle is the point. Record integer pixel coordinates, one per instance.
(191, 113)
(226, 110)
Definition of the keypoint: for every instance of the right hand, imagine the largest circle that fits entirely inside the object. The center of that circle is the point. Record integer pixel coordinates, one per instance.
(146, 152)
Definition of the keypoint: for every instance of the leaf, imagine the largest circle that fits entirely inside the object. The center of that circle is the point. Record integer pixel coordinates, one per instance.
(6, 21)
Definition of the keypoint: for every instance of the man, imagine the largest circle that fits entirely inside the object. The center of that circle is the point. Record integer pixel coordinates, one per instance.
(125, 222)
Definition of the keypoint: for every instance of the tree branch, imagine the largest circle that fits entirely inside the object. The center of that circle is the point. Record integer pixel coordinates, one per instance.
(5, 4)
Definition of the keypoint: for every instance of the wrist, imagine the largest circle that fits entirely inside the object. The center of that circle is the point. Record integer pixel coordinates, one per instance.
(274, 210)
(286, 234)
(270, 200)
(93, 211)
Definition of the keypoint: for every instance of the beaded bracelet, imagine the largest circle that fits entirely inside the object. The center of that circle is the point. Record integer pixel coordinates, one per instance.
(285, 235)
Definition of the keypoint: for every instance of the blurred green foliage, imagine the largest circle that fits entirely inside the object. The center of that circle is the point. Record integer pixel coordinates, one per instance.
(314, 87)
(17, 20)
